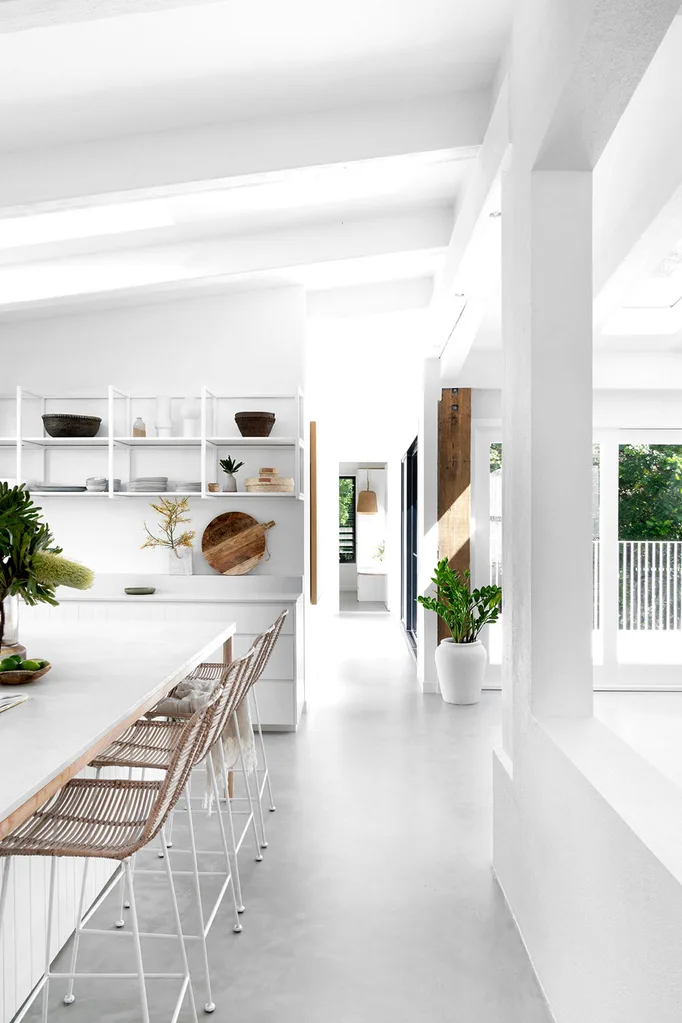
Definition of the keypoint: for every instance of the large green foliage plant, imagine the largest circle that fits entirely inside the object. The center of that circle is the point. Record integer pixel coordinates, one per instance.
(464, 611)
(30, 562)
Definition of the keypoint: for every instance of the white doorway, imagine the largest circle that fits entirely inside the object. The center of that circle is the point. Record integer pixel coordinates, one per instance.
(363, 554)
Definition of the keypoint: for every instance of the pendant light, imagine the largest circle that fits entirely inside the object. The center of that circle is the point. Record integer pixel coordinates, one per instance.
(367, 501)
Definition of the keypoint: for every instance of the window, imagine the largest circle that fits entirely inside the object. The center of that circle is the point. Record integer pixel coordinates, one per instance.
(346, 520)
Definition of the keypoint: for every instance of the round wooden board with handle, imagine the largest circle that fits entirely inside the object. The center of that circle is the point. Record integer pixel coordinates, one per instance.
(234, 542)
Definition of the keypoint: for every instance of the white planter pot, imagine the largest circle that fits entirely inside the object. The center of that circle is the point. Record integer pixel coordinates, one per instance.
(460, 667)
(230, 484)
(180, 561)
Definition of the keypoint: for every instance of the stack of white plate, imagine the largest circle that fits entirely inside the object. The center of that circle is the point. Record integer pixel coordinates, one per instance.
(188, 486)
(99, 485)
(55, 488)
(149, 484)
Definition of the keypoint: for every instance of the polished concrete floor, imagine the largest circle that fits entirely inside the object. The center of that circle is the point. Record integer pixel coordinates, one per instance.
(375, 900)
(349, 603)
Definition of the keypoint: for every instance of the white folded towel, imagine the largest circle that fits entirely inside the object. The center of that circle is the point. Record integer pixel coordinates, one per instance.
(190, 696)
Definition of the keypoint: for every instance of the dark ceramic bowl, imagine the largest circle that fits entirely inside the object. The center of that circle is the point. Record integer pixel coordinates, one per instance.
(58, 425)
(255, 424)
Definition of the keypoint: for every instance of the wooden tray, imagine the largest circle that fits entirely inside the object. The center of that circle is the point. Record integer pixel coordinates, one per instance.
(20, 678)
(234, 542)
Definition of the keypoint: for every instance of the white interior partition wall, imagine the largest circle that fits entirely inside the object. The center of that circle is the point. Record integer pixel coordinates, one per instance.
(586, 833)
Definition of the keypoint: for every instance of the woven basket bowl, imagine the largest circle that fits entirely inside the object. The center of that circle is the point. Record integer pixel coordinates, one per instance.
(20, 678)
(62, 425)
(255, 424)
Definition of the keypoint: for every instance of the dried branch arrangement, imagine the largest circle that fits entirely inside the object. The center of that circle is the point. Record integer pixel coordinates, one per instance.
(173, 515)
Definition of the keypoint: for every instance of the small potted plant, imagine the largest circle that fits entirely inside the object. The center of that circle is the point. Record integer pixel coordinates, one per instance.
(461, 658)
(177, 542)
(230, 467)
(31, 565)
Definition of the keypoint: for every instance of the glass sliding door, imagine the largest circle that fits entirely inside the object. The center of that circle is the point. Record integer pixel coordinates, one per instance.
(408, 600)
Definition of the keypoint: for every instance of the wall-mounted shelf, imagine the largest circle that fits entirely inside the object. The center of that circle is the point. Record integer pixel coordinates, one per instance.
(158, 442)
(253, 442)
(67, 442)
(115, 454)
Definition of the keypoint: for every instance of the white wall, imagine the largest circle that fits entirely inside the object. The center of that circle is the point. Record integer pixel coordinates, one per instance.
(586, 834)
(364, 380)
(237, 343)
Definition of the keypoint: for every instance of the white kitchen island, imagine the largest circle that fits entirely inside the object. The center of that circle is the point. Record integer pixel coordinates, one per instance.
(104, 675)
(253, 601)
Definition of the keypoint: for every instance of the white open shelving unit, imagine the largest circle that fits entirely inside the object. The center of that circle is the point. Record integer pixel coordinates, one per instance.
(118, 410)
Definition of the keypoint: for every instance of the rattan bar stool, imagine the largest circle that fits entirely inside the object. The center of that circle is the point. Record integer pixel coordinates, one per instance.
(261, 648)
(149, 744)
(111, 819)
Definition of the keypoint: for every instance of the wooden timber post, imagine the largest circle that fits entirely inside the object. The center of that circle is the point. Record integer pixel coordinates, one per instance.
(454, 481)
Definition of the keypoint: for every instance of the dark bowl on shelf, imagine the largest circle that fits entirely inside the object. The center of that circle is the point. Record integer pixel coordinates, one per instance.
(63, 425)
(255, 424)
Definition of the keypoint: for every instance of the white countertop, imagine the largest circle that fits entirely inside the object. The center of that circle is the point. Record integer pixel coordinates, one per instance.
(189, 589)
(102, 673)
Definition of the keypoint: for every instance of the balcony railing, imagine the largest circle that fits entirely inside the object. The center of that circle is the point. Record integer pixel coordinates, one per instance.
(649, 583)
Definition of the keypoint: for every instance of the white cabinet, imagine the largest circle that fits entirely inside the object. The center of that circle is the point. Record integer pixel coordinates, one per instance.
(281, 690)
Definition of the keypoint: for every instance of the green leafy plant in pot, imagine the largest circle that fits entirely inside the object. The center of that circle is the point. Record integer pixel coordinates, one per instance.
(461, 658)
(31, 566)
(230, 467)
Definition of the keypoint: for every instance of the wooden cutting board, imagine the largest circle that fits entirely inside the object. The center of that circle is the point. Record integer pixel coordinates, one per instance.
(234, 542)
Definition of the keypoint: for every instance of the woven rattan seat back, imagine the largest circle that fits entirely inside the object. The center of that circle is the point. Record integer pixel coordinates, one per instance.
(227, 695)
(263, 646)
(182, 760)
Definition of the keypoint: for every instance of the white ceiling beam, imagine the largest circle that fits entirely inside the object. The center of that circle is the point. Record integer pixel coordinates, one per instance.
(473, 257)
(144, 165)
(582, 76)
(22, 15)
(263, 252)
(637, 195)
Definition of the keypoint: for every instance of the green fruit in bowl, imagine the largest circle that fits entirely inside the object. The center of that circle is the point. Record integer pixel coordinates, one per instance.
(30, 666)
(8, 664)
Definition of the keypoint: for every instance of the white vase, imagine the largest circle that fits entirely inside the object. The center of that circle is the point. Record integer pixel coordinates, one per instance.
(189, 411)
(460, 667)
(230, 484)
(180, 561)
(164, 423)
(10, 637)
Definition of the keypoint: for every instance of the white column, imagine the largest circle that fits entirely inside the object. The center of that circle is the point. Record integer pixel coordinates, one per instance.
(427, 522)
(608, 537)
(547, 323)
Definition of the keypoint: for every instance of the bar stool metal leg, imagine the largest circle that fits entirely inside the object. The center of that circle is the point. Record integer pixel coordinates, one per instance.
(259, 844)
(137, 943)
(4, 886)
(210, 1004)
(216, 795)
(266, 769)
(237, 880)
(48, 937)
(187, 983)
(69, 997)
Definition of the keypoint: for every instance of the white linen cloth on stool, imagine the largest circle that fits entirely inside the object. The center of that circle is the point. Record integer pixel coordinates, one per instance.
(190, 696)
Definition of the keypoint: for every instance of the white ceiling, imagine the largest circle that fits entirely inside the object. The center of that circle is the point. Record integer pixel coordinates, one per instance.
(236, 60)
(252, 203)
(343, 226)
